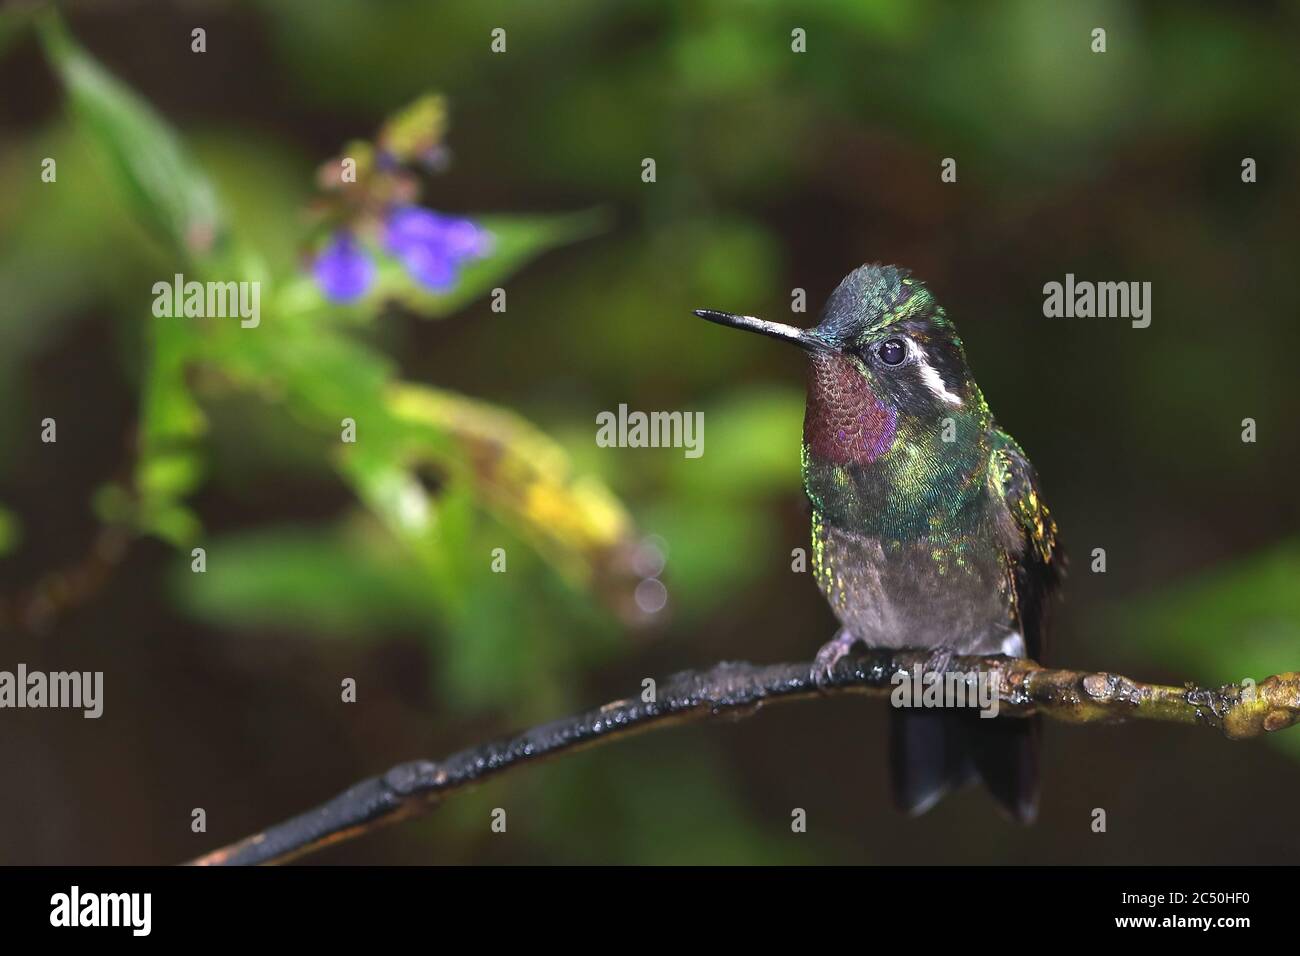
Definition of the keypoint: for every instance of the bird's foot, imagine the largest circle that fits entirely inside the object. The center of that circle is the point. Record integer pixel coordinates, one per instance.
(938, 662)
(829, 655)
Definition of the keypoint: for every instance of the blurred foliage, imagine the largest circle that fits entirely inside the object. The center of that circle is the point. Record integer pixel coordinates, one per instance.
(166, 191)
(10, 534)
(776, 171)
(307, 359)
(1238, 621)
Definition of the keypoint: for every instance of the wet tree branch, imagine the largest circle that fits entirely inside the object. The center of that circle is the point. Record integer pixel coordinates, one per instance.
(739, 689)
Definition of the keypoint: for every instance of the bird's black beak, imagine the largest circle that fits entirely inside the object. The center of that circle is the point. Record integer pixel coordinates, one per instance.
(806, 339)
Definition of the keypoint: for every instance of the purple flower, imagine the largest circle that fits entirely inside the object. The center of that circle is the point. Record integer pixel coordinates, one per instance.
(344, 271)
(429, 264)
(432, 246)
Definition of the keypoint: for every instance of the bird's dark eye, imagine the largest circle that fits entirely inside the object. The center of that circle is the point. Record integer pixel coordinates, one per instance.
(892, 351)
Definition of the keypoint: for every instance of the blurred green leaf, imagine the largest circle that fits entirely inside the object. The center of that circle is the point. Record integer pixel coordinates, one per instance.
(335, 583)
(711, 548)
(165, 187)
(751, 447)
(1241, 620)
(168, 463)
(10, 532)
(1238, 620)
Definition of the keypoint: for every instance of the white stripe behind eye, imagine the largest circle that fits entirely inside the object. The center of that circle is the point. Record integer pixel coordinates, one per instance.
(932, 379)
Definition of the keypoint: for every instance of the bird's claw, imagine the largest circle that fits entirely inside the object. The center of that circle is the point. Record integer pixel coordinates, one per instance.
(828, 656)
(938, 662)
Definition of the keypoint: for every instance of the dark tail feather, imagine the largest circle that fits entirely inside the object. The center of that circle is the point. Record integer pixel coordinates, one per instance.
(926, 757)
(1005, 753)
(934, 751)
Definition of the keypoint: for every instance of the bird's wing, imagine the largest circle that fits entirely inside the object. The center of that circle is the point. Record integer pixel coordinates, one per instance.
(1029, 532)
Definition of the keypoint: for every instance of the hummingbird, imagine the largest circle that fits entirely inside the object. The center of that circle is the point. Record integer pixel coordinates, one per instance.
(929, 531)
